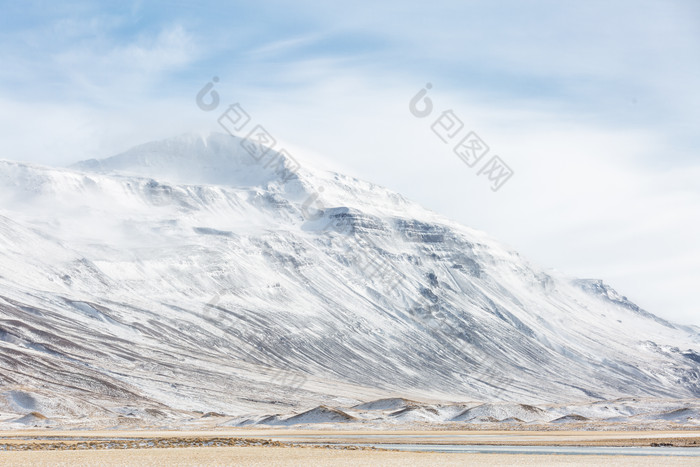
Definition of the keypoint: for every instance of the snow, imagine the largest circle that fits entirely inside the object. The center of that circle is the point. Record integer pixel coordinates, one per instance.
(646, 414)
(525, 413)
(184, 277)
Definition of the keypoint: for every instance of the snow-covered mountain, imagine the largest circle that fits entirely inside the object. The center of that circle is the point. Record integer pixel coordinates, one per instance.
(189, 275)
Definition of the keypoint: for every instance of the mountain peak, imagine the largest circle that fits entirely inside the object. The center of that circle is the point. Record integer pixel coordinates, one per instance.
(200, 158)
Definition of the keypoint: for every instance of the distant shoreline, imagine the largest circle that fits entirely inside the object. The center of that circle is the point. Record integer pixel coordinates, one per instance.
(28, 440)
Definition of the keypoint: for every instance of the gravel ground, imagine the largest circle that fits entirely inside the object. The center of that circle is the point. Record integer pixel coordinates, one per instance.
(275, 456)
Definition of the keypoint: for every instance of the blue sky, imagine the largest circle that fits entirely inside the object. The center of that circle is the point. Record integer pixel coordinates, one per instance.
(595, 105)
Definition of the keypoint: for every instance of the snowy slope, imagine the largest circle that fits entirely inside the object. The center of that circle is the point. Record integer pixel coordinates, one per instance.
(628, 413)
(184, 275)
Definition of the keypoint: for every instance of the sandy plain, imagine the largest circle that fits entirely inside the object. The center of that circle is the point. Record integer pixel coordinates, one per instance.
(285, 447)
(276, 456)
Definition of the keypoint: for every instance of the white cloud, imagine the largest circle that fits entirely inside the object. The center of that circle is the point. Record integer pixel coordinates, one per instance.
(131, 66)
